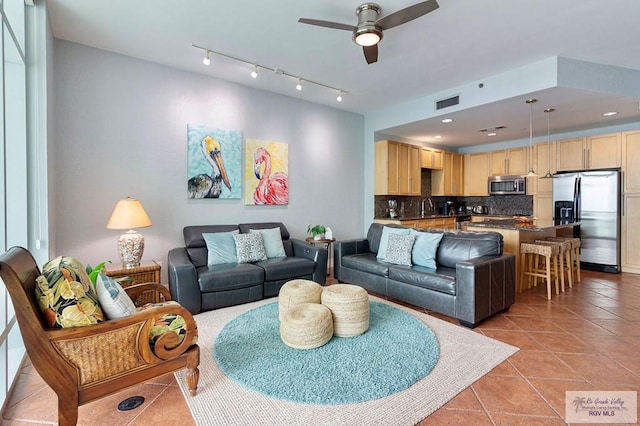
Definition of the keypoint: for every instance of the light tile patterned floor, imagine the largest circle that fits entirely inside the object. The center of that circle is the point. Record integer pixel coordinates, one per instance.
(587, 338)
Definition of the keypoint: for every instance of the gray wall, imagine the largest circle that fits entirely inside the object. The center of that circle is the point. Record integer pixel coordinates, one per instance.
(121, 128)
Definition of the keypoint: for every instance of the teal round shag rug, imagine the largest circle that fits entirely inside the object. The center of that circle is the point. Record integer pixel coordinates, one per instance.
(396, 351)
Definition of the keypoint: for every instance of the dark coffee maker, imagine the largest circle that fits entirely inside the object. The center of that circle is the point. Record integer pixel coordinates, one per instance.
(564, 212)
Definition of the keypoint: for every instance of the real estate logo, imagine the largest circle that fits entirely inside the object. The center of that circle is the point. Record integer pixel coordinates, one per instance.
(601, 407)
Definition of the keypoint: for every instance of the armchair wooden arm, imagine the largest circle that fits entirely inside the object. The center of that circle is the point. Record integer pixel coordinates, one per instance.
(85, 363)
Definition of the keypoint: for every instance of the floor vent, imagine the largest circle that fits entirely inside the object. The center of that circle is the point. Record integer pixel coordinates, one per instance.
(446, 103)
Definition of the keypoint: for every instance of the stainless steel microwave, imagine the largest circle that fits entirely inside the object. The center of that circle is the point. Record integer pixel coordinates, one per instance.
(507, 185)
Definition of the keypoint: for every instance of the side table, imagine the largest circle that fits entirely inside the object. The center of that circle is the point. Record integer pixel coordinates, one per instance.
(148, 271)
(327, 243)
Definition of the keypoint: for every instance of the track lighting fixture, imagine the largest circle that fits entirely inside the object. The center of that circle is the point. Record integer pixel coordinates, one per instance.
(278, 71)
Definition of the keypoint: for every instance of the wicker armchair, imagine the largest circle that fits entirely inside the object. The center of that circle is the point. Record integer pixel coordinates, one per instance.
(83, 364)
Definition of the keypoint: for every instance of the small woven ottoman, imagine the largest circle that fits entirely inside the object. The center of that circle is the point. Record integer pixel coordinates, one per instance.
(306, 326)
(349, 305)
(295, 292)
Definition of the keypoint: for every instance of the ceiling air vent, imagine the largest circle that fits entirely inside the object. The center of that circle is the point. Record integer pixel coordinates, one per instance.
(446, 103)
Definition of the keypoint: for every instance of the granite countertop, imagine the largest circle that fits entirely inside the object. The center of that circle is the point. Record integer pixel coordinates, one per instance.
(433, 216)
(536, 225)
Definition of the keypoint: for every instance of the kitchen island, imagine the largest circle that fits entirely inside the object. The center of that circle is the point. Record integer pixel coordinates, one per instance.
(515, 232)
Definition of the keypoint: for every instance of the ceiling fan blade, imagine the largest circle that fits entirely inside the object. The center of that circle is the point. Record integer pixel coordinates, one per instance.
(327, 24)
(407, 14)
(371, 53)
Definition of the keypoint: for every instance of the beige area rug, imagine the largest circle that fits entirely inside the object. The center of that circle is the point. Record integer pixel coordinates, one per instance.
(465, 356)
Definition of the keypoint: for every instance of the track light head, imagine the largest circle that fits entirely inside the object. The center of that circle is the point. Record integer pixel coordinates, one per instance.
(299, 85)
(339, 98)
(206, 59)
(254, 73)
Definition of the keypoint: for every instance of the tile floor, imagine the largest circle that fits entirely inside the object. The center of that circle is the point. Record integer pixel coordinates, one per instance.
(587, 338)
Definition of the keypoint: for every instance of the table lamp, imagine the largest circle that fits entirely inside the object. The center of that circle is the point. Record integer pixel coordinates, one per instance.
(128, 214)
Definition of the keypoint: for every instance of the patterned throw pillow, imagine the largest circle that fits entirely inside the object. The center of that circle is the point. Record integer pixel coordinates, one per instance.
(384, 239)
(399, 249)
(66, 296)
(114, 301)
(168, 323)
(250, 248)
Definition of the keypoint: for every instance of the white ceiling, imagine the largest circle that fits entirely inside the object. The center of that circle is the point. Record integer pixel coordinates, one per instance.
(461, 42)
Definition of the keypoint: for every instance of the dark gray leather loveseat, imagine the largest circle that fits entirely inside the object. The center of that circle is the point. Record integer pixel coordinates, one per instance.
(473, 279)
(200, 287)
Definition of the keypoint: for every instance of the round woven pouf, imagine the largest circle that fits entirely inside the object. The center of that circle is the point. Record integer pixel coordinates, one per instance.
(306, 326)
(349, 305)
(295, 292)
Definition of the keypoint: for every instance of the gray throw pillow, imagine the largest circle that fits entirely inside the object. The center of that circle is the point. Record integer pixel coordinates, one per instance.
(399, 249)
(249, 247)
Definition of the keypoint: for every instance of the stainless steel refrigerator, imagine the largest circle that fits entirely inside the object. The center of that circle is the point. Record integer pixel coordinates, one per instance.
(593, 198)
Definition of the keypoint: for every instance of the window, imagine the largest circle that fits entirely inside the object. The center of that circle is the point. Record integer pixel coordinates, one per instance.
(13, 174)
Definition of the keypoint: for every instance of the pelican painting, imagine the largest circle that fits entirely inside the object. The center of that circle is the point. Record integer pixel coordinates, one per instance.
(214, 159)
(266, 173)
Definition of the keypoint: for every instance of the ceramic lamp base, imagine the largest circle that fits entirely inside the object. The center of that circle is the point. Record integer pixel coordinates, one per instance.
(130, 248)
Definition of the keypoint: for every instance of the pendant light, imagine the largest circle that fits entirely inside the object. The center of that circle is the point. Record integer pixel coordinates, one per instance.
(531, 173)
(548, 175)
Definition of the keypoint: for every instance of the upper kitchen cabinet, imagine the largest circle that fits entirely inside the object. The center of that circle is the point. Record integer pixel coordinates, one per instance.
(544, 160)
(593, 152)
(476, 172)
(397, 168)
(631, 160)
(512, 161)
(448, 181)
(431, 158)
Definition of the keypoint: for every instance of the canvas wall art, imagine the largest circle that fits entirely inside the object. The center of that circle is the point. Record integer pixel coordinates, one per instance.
(214, 162)
(266, 171)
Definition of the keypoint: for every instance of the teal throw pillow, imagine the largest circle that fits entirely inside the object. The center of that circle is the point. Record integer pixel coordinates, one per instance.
(221, 247)
(425, 248)
(384, 239)
(272, 242)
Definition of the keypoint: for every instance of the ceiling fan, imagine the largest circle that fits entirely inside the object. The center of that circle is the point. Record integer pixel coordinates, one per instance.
(368, 32)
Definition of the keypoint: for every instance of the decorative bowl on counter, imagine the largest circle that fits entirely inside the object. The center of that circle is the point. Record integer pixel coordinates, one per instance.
(524, 219)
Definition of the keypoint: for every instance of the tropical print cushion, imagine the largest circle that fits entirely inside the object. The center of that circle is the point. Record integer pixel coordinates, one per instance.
(66, 296)
(167, 323)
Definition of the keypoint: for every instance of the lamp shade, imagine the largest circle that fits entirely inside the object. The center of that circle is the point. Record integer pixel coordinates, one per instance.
(128, 214)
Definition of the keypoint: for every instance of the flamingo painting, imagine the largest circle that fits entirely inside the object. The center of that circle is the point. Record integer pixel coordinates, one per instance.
(272, 188)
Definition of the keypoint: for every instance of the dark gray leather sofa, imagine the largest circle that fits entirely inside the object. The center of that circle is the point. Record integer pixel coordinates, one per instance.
(473, 279)
(199, 287)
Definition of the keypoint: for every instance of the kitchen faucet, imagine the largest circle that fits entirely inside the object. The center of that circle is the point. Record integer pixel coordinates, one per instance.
(430, 205)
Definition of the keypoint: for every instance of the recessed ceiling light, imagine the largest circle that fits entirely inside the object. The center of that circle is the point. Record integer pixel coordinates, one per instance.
(447, 120)
(610, 113)
(437, 137)
(491, 134)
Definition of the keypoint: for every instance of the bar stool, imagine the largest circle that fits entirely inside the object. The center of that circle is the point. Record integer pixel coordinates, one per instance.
(564, 260)
(531, 251)
(575, 254)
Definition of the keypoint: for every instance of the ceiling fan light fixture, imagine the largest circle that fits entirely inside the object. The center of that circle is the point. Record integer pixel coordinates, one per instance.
(367, 36)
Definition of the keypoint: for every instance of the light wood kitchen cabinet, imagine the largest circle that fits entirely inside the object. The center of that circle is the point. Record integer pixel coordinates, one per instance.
(630, 241)
(544, 159)
(476, 173)
(514, 161)
(431, 158)
(449, 180)
(444, 222)
(543, 206)
(397, 169)
(593, 152)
